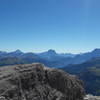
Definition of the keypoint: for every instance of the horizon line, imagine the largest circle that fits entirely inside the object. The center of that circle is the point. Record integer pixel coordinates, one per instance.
(39, 51)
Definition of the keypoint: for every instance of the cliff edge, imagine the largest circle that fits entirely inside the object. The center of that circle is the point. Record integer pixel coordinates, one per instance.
(37, 82)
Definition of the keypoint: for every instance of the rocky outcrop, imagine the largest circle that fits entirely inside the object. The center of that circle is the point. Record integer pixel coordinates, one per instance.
(37, 82)
(91, 97)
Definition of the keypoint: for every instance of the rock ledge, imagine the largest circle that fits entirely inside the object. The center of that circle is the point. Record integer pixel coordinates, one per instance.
(37, 82)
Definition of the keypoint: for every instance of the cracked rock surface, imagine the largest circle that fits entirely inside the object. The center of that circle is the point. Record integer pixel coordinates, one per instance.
(37, 82)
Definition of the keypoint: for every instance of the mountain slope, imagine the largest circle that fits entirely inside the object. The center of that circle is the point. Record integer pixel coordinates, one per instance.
(51, 55)
(11, 61)
(89, 72)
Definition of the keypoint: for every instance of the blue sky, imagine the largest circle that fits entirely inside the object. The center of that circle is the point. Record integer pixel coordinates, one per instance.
(39, 25)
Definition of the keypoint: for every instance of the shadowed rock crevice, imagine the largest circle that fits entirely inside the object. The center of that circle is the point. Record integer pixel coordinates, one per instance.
(37, 82)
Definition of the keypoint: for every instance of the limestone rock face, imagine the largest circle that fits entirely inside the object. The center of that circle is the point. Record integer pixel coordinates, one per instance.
(37, 82)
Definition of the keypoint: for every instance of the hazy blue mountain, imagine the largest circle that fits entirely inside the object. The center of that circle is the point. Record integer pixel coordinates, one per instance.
(18, 57)
(67, 55)
(86, 56)
(16, 53)
(89, 72)
(24, 59)
(52, 58)
(51, 55)
(80, 58)
(2, 52)
(49, 58)
(11, 61)
(31, 58)
(60, 60)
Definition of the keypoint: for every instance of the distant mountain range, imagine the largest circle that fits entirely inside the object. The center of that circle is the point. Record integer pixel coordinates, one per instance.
(49, 58)
(51, 55)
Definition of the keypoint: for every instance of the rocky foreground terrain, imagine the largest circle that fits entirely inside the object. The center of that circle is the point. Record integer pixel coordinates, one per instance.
(37, 82)
(91, 97)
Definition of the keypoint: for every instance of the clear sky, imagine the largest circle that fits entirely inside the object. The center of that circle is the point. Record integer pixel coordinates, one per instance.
(39, 25)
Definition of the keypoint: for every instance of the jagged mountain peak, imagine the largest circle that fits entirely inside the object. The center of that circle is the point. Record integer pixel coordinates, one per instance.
(18, 51)
(51, 51)
(96, 50)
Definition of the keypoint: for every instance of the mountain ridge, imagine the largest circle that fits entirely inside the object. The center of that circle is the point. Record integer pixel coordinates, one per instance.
(89, 72)
(51, 58)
